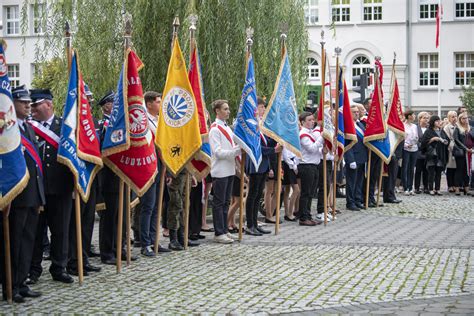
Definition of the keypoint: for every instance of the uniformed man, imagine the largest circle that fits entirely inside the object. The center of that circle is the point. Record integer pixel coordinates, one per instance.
(58, 184)
(24, 209)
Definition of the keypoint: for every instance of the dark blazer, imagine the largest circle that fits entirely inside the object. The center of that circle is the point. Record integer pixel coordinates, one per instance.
(58, 179)
(441, 149)
(358, 152)
(421, 155)
(33, 194)
(459, 140)
(267, 151)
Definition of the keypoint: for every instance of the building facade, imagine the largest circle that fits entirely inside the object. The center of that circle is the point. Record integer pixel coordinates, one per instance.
(364, 29)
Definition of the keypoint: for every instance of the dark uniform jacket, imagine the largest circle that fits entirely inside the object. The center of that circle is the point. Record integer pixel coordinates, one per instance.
(358, 152)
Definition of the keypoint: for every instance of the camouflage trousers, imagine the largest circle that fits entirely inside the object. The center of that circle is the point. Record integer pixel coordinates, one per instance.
(176, 203)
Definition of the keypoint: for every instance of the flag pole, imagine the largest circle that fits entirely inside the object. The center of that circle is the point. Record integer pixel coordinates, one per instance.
(128, 39)
(283, 37)
(367, 184)
(77, 199)
(6, 239)
(336, 132)
(323, 87)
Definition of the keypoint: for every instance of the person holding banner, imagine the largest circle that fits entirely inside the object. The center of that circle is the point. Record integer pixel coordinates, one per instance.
(58, 184)
(223, 152)
(24, 211)
(311, 152)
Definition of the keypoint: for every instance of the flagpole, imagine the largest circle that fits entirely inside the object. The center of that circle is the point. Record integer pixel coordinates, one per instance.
(368, 179)
(249, 43)
(77, 199)
(6, 238)
(323, 87)
(336, 132)
(278, 171)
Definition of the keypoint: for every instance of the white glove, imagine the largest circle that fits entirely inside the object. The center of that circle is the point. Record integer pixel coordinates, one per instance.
(353, 165)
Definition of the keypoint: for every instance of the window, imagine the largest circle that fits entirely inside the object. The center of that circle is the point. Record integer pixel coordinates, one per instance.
(14, 75)
(311, 12)
(465, 9)
(313, 68)
(12, 18)
(39, 18)
(428, 70)
(428, 9)
(341, 10)
(372, 10)
(360, 65)
(464, 72)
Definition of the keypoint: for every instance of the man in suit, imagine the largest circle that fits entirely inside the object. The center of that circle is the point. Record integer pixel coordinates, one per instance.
(58, 184)
(355, 159)
(24, 209)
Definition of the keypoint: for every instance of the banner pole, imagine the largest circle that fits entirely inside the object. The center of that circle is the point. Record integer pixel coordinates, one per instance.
(323, 87)
(368, 180)
(336, 133)
(119, 227)
(127, 223)
(241, 201)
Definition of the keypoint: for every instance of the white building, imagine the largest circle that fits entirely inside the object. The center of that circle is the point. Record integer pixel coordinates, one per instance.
(369, 28)
(22, 39)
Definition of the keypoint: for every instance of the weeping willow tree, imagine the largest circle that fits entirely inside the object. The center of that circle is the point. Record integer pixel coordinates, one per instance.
(98, 28)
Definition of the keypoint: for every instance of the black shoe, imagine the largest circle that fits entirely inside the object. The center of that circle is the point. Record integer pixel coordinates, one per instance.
(30, 293)
(31, 280)
(17, 298)
(148, 252)
(163, 249)
(75, 272)
(269, 221)
(372, 204)
(353, 208)
(132, 257)
(253, 232)
(90, 268)
(358, 205)
(111, 261)
(294, 219)
(63, 277)
(263, 231)
(393, 201)
(192, 243)
(93, 254)
(175, 245)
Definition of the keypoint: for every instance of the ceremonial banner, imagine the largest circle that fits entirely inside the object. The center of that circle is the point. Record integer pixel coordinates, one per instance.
(178, 135)
(396, 129)
(79, 147)
(14, 175)
(280, 120)
(375, 137)
(128, 147)
(246, 132)
(350, 135)
(325, 111)
(200, 166)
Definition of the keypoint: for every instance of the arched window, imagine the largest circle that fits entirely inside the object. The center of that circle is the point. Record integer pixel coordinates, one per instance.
(313, 68)
(360, 65)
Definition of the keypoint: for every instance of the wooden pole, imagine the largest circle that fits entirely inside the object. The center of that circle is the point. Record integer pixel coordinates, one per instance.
(67, 31)
(160, 207)
(119, 227)
(277, 192)
(241, 207)
(336, 133)
(368, 180)
(380, 183)
(8, 260)
(127, 223)
(323, 87)
(187, 196)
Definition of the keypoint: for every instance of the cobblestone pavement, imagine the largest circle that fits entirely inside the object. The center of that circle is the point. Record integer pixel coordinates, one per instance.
(412, 258)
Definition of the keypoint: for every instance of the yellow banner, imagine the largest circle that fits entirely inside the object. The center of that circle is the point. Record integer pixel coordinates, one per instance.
(178, 135)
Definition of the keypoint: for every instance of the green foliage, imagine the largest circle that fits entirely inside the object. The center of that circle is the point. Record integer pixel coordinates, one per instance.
(53, 76)
(221, 37)
(467, 98)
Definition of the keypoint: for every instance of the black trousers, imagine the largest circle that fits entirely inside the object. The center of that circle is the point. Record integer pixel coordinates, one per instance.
(57, 216)
(195, 209)
(87, 228)
(256, 185)
(23, 222)
(108, 226)
(308, 174)
(220, 204)
(450, 177)
(354, 184)
(434, 176)
(320, 187)
(390, 180)
(461, 177)
(376, 163)
(421, 174)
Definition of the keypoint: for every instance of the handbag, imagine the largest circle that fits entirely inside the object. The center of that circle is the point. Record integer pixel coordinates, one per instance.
(458, 152)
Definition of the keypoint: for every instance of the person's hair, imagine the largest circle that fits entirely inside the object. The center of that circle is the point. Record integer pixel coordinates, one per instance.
(303, 116)
(432, 121)
(421, 114)
(355, 107)
(460, 109)
(217, 104)
(151, 96)
(451, 113)
(260, 100)
(408, 113)
(462, 115)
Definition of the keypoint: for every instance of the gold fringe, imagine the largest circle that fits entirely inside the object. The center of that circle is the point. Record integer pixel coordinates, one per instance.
(15, 191)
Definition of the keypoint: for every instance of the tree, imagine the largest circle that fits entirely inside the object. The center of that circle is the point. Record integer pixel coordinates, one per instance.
(467, 98)
(98, 30)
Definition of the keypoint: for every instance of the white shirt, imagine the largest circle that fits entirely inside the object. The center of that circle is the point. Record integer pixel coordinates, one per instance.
(310, 146)
(290, 159)
(411, 137)
(223, 150)
(49, 121)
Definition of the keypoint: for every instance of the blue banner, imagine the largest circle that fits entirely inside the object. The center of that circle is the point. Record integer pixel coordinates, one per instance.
(340, 116)
(14, 175)
(84, 171)
(246, 131)
(280, 120)
(381, 147)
